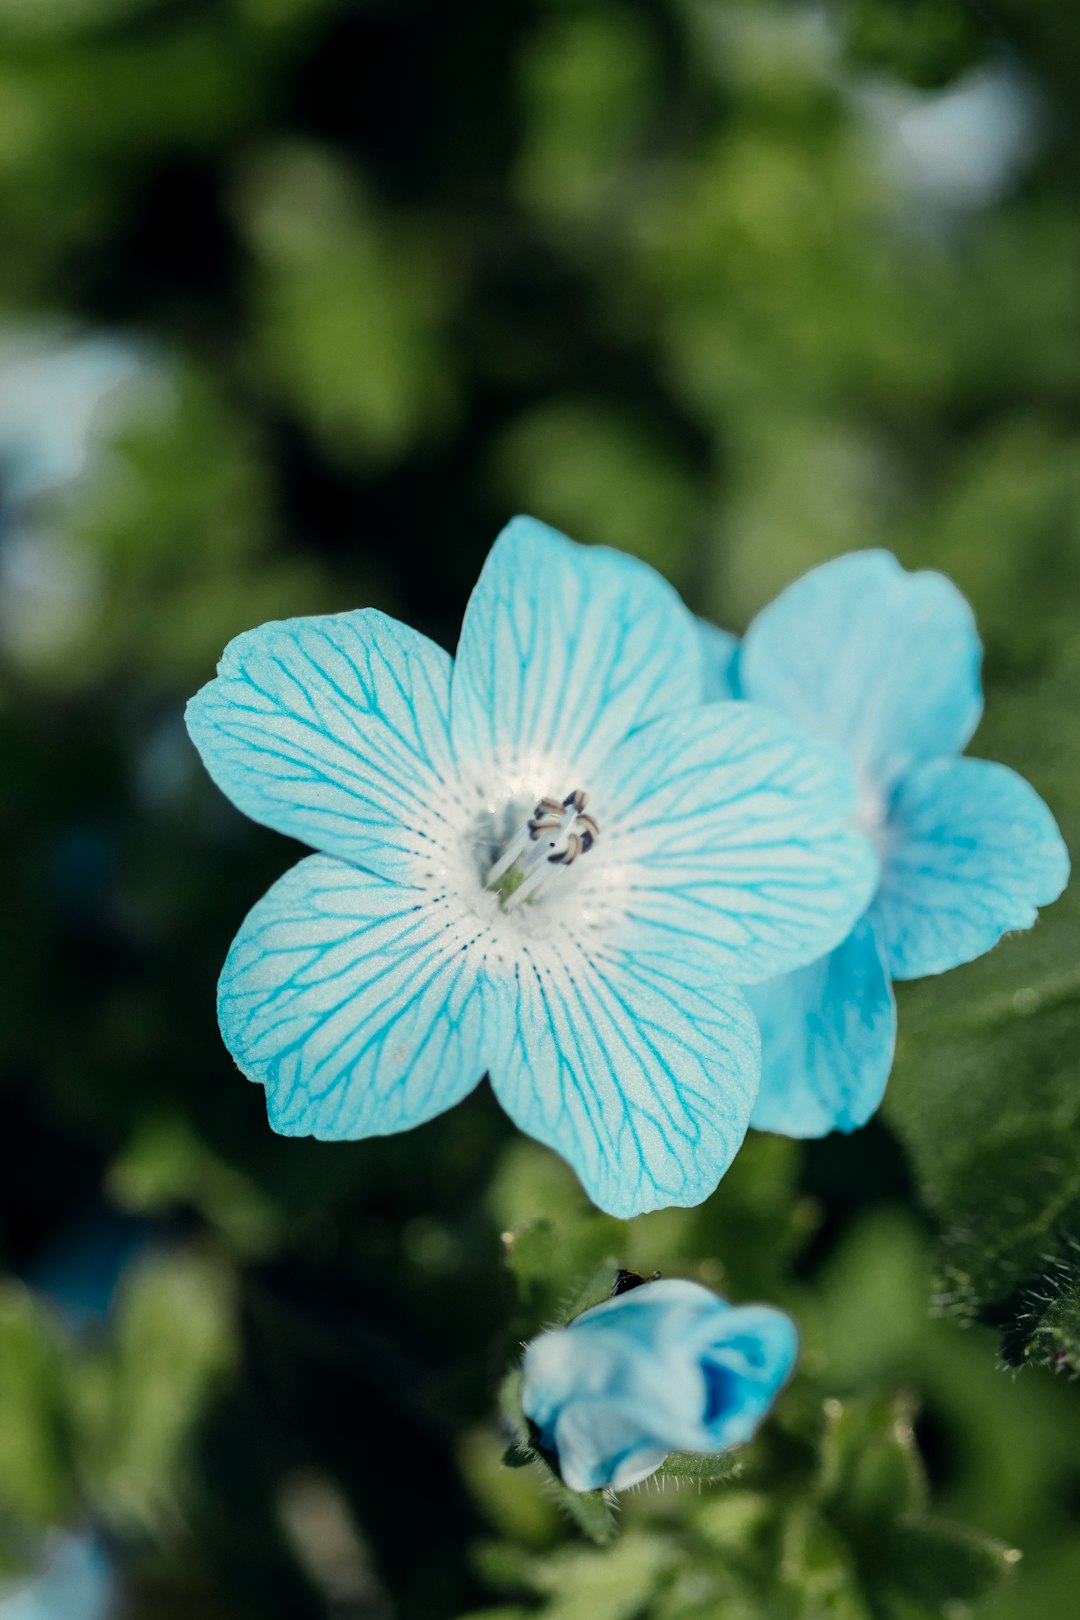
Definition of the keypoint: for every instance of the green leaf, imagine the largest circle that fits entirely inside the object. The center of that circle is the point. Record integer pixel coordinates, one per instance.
(138, 1402)
(560, 1270)
(591, 1511)
(870, 1471)
(817, 1568)
(593, 1288)
(1047, 1328)
(514, 1457)
(35, 1475)
(707, 1467)
(166, 1165)
(510, 1410)
(985, 1095)
(503, 1612)
(350, 312)
(939, 1563)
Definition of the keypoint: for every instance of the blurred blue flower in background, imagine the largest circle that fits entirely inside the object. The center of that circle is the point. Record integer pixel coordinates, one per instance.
(56, 389)
(959, 147)
(81, 1269)
(887, 663)
(667, 1367)
(75, 1582)
(470, 914)
(61, 390)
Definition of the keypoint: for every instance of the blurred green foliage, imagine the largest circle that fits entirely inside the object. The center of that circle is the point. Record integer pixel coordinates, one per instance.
(735, 284)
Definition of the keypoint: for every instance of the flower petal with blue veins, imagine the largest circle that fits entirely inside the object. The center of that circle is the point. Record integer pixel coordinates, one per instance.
(353, 1002)
(564, 649)
(734, 827)
(828, 1033)
(972, 851)
(638, 1067)
(334, 730)
(876, 658)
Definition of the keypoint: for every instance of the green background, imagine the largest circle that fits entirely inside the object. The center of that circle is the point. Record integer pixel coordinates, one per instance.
(735, 286)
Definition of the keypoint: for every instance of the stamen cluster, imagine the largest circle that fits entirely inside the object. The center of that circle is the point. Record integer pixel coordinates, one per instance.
(556, 833)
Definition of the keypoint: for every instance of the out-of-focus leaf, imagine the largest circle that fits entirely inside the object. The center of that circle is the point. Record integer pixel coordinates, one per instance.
(938, 1564)
(818, 1568)
(603, 477)
(587, 82)
(870, 1473)
(35, 1473)
(591, 1511)
(560, 1270)
(167, 1165)
(351, 316)
(581, 1584)
(139, 1401)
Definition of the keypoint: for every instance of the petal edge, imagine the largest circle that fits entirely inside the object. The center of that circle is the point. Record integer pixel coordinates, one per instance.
(973, 852)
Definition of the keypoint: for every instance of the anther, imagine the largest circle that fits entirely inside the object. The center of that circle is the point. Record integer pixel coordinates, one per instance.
(556, 834)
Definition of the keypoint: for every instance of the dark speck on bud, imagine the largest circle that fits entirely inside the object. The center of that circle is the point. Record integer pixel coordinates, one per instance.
(625, 1280)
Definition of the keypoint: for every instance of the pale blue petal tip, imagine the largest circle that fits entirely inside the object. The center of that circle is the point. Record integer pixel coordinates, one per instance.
(973, 852)
(828, 1034)
(640, 1071)
(750, 1362)
(886, 662)
(333, 730)
(564, 650)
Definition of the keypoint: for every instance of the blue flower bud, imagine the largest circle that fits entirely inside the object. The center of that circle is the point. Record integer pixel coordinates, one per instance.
(665, 1367)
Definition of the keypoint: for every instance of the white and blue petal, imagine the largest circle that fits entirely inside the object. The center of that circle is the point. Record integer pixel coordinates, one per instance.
(721, 651)
(731, 826)
(334, 730)
(353, 1001)
(881, 660)
(750, 1355)
(638, 1065)
(828, 1033)
(600, 1443)
(564, 649)
(971, 851)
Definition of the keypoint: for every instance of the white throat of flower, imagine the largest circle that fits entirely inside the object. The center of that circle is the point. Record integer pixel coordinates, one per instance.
(872, 814)
(556, 835)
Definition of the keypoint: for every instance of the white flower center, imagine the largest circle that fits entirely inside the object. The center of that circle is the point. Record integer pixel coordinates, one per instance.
(556, 835)
(872, 815)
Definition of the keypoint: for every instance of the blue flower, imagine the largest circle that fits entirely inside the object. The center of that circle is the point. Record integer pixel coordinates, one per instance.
(56, 391)
(469, 914)
(75, 1582)
(666, 1367)
(886, 663)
